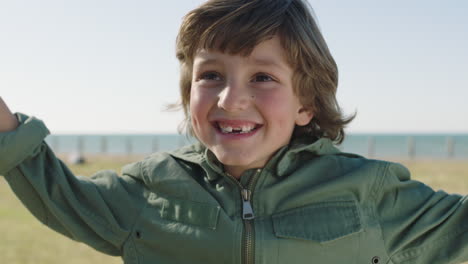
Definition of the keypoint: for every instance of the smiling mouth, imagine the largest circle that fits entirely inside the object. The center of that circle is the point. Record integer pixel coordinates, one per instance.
(226, 128)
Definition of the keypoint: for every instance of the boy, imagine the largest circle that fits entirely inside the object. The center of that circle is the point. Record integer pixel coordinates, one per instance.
(265, 184)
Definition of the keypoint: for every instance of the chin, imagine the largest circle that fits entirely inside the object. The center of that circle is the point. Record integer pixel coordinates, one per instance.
(233, 161)
(233, 158)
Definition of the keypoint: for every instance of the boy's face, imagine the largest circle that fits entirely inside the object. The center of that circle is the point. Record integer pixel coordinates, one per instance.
(243, 108)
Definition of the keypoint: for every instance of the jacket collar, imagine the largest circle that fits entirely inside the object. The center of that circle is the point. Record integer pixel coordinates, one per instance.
(302, 149)
(285, 161)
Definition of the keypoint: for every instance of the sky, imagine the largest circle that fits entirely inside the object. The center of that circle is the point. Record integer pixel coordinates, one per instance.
(109, 66)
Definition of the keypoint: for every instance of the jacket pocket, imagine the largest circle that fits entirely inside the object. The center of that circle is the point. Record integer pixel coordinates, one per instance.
(190, 212)
(168, 224)
(321, 222)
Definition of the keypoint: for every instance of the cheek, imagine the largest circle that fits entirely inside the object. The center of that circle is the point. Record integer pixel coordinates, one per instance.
(278, 109)
(195, 110)
(193, 101)
(200, 103)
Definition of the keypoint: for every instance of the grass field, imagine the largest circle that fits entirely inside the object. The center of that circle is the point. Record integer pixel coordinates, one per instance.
(23, 240)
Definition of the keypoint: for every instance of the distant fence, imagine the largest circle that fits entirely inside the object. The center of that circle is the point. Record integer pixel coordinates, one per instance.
(408, 146)
(372, 146)
(115, 144)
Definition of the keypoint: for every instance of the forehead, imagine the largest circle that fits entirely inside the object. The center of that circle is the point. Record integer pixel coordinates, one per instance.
(266, 53)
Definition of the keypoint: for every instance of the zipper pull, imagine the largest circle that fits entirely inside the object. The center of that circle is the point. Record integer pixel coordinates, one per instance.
(247, 211)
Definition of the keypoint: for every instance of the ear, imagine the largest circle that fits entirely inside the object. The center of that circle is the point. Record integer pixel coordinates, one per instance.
(304, 116)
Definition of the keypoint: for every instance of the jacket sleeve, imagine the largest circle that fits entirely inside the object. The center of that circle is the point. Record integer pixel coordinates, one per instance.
(420, 225)
(99, 210)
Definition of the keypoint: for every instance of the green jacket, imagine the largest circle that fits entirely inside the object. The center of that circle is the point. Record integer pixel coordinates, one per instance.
(309, 204)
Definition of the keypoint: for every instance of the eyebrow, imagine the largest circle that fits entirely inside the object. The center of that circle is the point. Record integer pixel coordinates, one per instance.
(207, 62)
(257, 61)
(268, 62)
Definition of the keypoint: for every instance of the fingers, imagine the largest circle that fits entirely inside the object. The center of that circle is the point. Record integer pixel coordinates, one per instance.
(8, 121)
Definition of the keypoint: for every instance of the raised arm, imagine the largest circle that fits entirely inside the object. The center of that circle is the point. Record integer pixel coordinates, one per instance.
(420, 225)
(100, 210)
(8, 121)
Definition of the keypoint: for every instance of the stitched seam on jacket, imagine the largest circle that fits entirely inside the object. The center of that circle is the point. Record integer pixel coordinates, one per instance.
(132, 229)
(412, 253)
(129, 239)
(377, 187)
(379, 180)
(134, 258)
(144, 170)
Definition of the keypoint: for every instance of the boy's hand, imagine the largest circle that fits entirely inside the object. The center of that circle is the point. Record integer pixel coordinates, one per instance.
(8, 121)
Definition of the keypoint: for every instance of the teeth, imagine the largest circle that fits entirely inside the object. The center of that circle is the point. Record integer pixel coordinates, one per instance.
(242, 129)
(226, 129)
(247, 128)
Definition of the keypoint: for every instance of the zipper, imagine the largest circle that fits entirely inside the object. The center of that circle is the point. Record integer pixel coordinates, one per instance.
(248, 236)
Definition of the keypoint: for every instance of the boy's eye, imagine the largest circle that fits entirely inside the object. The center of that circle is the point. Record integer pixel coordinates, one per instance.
(211, 76)
(262, 78)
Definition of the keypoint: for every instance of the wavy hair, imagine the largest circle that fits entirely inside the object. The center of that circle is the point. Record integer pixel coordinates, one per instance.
(237, 26)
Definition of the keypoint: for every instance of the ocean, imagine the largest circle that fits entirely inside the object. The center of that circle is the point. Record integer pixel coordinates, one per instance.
(399, 146)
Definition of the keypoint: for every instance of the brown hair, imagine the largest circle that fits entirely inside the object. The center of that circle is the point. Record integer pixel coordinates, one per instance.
(237, 26)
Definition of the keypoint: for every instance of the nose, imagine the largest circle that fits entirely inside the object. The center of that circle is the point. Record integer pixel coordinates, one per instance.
(234, 97)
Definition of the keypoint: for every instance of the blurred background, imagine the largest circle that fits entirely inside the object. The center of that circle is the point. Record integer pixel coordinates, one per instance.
(100, 73)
